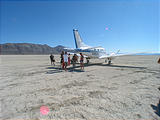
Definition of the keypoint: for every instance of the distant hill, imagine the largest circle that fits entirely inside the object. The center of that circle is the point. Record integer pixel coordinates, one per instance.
(148, 54)
(33, 49)
(28, 48)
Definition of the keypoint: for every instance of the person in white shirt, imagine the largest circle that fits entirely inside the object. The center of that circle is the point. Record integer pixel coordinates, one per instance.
(65, 57)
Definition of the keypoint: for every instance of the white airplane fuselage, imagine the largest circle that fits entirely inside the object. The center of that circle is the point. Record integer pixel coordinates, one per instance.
(92, 52)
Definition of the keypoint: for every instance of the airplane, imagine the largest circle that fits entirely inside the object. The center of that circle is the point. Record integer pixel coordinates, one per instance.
(91, 52)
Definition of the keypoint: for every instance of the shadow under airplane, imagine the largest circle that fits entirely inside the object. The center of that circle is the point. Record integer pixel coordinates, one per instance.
(57, 69)
(111, 65)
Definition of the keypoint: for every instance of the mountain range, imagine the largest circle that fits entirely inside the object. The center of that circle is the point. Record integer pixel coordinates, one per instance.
(29, 49)
(33, 49)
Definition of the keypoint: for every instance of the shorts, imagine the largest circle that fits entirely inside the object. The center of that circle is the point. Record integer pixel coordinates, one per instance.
(81, 61)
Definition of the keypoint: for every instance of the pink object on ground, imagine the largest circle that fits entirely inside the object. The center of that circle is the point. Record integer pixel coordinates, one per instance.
(44, 110)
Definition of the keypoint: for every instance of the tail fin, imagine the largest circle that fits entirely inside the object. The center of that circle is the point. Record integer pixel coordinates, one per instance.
(78, 41)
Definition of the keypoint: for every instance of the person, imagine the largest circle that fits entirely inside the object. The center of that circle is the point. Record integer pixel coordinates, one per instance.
(74, 60)
(65, 58)
(52, 59)
(69, 60)
(81, 61)
(159, 61)
(62, 60)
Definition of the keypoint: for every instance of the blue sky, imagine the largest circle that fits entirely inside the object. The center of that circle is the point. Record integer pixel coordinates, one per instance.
(128, 25)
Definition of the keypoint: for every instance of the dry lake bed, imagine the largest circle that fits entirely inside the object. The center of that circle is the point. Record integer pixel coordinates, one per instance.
(125, 90)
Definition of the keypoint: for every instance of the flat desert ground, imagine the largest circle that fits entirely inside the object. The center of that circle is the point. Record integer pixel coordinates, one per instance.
(125, 90)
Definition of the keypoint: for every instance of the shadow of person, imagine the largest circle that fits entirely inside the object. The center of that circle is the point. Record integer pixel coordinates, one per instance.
(58, 69)
(156, 108)
(76, 70)
(55, 69)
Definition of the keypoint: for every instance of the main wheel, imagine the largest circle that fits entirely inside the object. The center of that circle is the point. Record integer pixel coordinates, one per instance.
(109, 62)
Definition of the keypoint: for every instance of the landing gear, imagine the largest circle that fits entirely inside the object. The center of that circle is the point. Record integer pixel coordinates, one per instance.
(87, 59)
(109, 61)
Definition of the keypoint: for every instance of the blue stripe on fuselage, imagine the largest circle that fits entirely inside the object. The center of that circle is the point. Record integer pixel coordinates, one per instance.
(75, 38)
(81, 50)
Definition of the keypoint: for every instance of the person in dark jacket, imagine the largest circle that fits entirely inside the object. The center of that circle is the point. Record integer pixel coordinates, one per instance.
(82, 61)
(52, 59)
(62, 60)
(74, 60)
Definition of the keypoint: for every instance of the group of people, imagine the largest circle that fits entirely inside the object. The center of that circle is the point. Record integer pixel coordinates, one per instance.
(66, 61)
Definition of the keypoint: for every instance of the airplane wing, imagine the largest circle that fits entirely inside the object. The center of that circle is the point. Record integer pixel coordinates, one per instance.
(94, 47)
(112, 55)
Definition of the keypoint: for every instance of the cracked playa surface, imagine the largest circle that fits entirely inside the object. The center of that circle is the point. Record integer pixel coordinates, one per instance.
(125, 90)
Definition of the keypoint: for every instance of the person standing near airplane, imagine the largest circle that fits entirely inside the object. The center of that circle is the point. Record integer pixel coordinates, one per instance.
(62, 60)
(82, 61)
(69, 60)
(74, 60)
(65, 57)
(52, 59)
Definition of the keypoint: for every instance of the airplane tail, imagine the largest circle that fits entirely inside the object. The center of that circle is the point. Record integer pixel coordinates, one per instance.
(78, 41)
